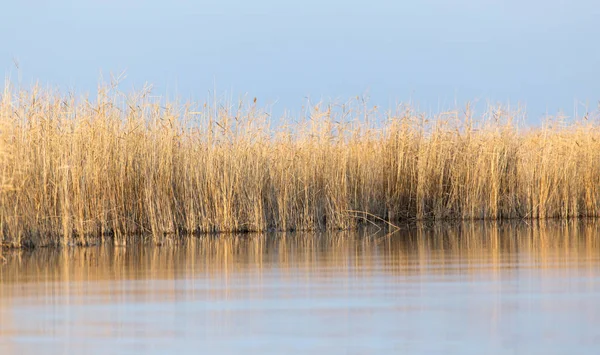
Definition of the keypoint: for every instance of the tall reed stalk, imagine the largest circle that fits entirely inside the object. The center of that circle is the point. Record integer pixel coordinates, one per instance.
(77, 170)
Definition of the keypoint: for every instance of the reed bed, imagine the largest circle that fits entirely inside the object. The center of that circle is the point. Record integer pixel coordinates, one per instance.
(76, 170)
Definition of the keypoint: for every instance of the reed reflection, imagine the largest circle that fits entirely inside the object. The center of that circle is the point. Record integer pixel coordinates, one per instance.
(414, 249)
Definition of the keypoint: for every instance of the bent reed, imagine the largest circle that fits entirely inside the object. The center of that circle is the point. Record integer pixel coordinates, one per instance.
(75, 170)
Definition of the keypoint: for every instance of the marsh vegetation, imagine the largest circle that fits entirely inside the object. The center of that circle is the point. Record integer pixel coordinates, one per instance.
(77, 170)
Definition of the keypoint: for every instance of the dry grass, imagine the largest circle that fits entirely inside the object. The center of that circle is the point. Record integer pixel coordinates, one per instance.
(78, 170)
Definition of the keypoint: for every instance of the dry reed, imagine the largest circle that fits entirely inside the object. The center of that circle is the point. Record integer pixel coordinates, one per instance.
(76, 170)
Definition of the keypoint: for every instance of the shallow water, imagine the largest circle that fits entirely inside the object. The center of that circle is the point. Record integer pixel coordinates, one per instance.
(468, 289)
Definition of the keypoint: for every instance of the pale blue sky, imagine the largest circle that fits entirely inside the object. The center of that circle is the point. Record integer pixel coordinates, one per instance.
(542, 53)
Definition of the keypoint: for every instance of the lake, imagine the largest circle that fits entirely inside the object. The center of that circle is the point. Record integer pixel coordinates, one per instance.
(471, 288)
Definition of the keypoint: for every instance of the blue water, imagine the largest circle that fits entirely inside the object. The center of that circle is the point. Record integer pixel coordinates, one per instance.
(516, 291)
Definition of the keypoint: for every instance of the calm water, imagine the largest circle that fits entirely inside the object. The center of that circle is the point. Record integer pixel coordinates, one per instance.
(472, 289)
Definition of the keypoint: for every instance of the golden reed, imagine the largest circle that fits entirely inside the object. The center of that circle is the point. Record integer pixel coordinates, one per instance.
(76, 170)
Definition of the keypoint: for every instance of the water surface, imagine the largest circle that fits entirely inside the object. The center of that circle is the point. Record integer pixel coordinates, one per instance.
(468, 289)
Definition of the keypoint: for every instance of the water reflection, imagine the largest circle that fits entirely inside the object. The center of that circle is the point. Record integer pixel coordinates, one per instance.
(471, 288)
